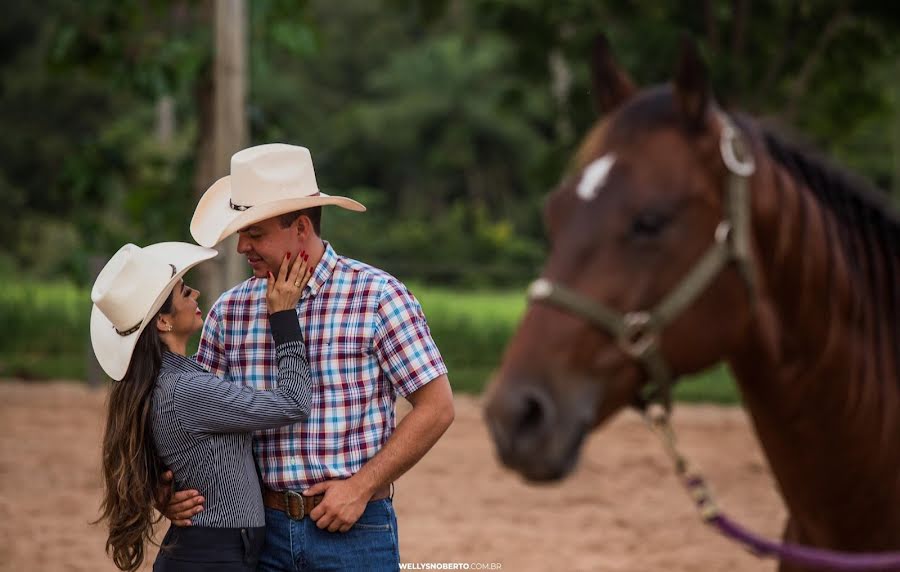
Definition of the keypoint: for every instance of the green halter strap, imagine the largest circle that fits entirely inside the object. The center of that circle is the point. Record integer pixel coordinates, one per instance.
(638, 333)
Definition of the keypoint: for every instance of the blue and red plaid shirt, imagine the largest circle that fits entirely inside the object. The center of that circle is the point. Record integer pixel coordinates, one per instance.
(367, 341)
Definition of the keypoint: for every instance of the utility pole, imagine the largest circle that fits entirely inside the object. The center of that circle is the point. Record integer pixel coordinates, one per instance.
(229, 123)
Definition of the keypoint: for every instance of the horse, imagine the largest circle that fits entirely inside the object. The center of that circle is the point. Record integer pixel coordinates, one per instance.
(746, 249)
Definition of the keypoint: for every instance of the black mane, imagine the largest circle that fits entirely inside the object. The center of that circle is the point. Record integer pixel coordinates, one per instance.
(868, 231)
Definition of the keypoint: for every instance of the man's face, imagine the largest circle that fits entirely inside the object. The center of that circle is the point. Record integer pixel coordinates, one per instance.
(265, 243)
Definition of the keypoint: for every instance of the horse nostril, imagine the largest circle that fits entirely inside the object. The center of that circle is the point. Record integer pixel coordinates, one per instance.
(534, 413)
(531, 415)
(519, 418)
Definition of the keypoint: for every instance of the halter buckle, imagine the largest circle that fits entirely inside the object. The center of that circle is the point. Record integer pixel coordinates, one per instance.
(734, 151)
(637, 336)
(540, 289)
(724, 232)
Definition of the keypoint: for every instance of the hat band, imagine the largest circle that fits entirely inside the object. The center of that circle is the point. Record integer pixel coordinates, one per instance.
(137, 326)
(129, 331)
(235, 207)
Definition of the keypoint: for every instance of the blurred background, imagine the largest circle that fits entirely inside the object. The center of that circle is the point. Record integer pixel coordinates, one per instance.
(450, 120)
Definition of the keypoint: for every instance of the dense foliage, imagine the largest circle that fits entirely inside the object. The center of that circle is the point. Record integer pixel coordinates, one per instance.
(450, 119)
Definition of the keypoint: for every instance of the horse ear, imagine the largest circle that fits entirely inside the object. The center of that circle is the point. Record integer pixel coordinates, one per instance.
(692, 91)
(612, 86)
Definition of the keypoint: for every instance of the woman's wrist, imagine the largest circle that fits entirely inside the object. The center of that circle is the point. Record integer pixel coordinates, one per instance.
(285, 326)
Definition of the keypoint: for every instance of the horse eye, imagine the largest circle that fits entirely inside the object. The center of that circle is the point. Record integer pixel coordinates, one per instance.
(649, 224)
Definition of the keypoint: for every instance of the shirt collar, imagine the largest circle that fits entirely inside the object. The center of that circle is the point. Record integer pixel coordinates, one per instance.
(177, 362)
(323, 272)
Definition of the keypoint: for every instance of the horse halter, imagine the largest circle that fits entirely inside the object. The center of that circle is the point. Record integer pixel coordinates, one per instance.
(638, 333)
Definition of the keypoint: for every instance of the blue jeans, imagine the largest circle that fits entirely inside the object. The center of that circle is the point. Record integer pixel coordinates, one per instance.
(295, 545)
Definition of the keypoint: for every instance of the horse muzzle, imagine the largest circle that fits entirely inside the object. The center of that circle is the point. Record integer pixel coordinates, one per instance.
(535, 433)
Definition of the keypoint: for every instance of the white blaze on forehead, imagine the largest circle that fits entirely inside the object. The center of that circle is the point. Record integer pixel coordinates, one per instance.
(594, 177)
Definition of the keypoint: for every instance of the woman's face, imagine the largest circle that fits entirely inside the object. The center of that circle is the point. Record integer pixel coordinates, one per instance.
(185, 315)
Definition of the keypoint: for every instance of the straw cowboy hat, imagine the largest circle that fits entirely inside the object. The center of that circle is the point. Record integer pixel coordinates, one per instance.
(128, 293)
(265, 181)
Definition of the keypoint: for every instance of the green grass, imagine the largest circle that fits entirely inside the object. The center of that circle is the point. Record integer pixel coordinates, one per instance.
(45, 330)
(471, 329)
(712, 386)
(46, 335)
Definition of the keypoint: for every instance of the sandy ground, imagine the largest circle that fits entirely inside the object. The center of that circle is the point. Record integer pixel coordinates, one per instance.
(622, 510)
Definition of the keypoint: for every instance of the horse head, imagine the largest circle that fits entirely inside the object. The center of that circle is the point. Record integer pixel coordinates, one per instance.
(645, 198)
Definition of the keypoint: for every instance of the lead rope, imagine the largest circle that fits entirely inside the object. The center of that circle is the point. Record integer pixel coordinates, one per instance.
(657, 418)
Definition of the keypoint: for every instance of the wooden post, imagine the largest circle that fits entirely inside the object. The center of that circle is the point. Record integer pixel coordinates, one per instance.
(165, 120)
(204, 175)
(230, 117)
(222, 130)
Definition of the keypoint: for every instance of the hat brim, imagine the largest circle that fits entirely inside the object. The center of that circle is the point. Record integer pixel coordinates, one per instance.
(214, 219)
(114, 351)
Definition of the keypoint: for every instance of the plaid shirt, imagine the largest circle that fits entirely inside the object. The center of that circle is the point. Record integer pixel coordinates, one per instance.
(367, 341)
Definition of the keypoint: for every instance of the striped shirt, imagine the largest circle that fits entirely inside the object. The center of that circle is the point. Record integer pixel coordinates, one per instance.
(202, 425)
(367, 342)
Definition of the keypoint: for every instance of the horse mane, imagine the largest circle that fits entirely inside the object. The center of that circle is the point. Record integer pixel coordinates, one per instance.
(867, 229)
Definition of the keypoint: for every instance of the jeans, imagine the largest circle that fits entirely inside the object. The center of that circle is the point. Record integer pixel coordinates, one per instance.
(299, 545)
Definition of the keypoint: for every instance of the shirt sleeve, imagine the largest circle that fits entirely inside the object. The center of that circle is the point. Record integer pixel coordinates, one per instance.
(211, 351)
(403, 343)
(205, 403)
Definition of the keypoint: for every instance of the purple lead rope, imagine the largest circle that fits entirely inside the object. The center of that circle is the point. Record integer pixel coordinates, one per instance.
(819, 558)
(804, 555)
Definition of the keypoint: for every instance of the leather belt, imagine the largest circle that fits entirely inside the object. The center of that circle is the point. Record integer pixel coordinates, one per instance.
(297, 506)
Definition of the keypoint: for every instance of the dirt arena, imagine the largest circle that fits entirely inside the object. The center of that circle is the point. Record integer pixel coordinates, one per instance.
(622, 510)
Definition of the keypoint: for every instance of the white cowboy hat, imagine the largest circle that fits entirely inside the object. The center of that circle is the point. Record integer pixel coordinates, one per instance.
(265, 181)
(128, 293)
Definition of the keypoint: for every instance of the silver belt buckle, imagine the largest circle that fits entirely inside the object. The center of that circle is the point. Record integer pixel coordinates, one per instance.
(287, 504)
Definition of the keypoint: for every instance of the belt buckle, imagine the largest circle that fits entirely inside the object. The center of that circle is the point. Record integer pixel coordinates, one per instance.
(287, 504)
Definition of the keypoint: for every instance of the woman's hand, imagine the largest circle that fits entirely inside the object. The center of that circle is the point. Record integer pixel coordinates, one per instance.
(283, 292)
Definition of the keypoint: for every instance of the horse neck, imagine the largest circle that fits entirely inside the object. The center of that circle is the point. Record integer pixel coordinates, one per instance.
(819, 374)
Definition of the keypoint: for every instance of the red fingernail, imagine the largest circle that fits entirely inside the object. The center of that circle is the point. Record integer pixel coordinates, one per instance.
(288, 255)
(306, 258)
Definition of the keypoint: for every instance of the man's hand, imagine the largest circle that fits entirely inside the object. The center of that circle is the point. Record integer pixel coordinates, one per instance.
(342, 506)
(345, 500)
(183, 504)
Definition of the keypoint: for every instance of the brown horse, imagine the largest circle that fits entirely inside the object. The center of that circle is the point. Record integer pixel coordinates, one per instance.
(808, 318)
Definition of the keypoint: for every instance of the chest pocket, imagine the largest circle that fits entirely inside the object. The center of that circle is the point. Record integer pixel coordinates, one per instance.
(347, 372)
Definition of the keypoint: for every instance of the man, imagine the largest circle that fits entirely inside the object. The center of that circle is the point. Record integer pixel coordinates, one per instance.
(327, 481)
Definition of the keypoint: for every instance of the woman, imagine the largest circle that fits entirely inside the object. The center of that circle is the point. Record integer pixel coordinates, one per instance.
(166, 411)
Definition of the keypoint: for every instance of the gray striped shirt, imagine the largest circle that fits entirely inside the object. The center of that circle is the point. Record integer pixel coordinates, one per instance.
(202, 425)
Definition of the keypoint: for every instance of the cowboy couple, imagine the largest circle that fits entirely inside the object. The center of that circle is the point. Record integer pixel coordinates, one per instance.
(278, 437)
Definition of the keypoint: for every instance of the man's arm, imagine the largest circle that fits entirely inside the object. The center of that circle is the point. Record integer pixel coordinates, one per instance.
(345, 499)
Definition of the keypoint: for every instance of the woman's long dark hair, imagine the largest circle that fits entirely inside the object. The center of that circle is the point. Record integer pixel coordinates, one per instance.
(131, 466)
